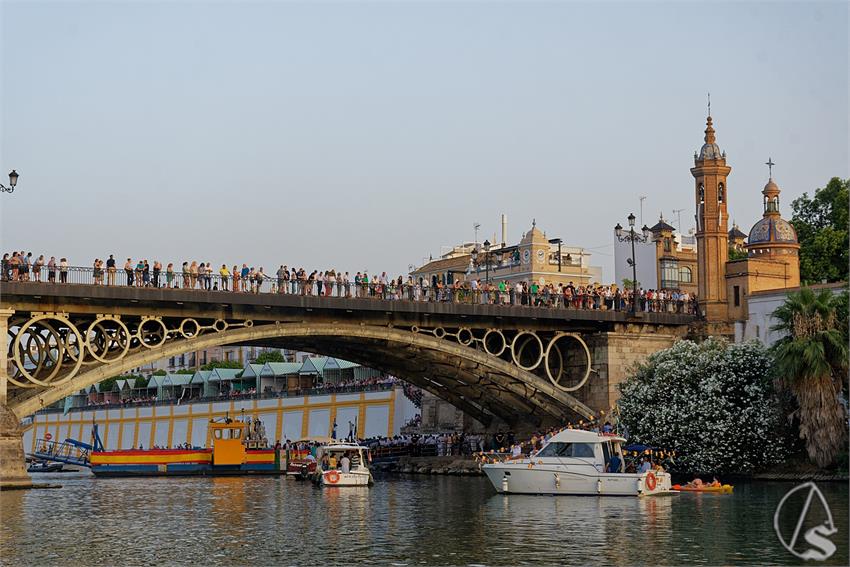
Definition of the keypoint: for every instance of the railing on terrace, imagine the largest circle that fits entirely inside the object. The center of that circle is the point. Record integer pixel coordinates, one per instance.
(546, 297)
(225, 398)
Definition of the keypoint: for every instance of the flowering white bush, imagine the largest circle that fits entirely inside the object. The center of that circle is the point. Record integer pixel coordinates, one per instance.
(711, 402)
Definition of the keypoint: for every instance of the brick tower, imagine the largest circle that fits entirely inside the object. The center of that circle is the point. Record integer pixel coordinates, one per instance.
(711, 195)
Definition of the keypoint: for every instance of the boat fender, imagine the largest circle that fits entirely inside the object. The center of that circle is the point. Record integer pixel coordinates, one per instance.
(557, 480)
(504, 484)
(599, 486)
(650, 481)
(332, 477)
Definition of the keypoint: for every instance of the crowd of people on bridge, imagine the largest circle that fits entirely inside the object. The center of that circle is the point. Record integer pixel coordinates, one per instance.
(18, 266)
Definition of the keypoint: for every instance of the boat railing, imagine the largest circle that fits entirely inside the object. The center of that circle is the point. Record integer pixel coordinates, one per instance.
(69, 451)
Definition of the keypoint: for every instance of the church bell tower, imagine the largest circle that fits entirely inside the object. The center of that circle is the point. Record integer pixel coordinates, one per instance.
(712, 220)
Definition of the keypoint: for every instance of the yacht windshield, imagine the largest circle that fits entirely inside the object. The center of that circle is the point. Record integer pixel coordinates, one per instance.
(556, 449)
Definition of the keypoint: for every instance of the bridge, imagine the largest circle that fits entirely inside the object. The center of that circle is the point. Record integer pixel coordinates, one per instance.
(519, 365)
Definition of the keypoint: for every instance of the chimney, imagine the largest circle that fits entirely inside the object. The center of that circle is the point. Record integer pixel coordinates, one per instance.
(504, 229)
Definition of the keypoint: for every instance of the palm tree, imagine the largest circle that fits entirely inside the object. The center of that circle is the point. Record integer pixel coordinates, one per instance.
(810, 360)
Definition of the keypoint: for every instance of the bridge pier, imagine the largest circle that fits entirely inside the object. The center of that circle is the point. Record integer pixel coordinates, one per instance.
(13, 472)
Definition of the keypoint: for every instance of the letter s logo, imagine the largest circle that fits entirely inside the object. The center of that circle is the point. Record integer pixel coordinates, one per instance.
(815, 537)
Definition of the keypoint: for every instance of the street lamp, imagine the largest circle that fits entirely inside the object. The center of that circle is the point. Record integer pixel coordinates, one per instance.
(487, 260)
(633, 237)
(13, 180)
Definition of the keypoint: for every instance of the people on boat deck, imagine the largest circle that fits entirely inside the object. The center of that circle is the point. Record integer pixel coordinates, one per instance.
(607, 428)
(345, 464)
(614, 464)
(355, 459)
(645, 465)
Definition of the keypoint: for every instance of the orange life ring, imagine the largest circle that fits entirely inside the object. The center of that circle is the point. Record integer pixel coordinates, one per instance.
(332, 477)
(650, 481)
(48, 436)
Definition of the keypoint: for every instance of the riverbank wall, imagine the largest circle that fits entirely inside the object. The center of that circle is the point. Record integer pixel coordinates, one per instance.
(449, 465)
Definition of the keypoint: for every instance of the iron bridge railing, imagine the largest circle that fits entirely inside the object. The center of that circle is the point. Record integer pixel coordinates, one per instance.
(593, 298)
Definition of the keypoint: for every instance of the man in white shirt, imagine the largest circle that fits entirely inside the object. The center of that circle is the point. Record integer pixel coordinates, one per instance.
(345, 464)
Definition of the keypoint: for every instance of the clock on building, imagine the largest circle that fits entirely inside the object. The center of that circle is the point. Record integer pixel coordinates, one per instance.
(541, 256)
(526, 256)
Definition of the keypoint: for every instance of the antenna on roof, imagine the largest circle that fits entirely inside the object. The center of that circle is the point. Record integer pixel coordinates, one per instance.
(709, 104)
(475, 227)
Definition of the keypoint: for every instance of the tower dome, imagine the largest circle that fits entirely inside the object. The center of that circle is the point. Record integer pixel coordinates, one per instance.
(772, 235)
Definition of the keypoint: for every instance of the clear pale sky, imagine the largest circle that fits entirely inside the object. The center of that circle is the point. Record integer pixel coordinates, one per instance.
(357, 135)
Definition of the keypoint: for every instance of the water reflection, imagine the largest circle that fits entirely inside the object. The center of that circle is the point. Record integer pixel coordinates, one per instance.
(413, 521)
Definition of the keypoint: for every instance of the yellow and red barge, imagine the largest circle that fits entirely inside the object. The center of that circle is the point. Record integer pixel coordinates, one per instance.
(236, 450)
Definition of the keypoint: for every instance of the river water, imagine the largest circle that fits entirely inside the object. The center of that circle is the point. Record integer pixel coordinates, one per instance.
(402, 520)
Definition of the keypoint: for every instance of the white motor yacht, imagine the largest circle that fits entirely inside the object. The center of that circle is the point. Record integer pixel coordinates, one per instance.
(575, 462)
(358, 473)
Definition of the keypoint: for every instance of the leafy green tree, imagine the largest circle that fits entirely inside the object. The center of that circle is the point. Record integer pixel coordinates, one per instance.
(160, 372)
(184, 371)
(810, 361)
(269, 356)
(822, 229)
(735, 254)
(141, 382)
(712, 403)
(221, 364)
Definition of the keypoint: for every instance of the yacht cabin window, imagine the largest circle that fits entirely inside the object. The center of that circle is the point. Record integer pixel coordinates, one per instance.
(578, 450)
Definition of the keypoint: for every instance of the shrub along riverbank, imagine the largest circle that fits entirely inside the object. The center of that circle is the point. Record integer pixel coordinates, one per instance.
(744, 409)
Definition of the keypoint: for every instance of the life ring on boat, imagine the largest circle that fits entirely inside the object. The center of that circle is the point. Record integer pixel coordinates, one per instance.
(332, 477)
(650, 481)
(48, 436)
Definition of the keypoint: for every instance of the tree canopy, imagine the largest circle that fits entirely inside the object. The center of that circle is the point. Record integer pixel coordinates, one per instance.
(269, 356)
(221, 364)
(822, 229)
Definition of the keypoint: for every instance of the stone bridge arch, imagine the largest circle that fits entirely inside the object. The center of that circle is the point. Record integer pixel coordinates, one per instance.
(481, 384)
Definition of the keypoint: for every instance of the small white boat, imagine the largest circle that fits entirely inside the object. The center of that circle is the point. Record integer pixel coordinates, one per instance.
(358, 473)
(575, 462)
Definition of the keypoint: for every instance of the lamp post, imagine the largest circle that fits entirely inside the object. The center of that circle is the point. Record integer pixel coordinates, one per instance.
(13, 180)
(633, 237)
(487, 261)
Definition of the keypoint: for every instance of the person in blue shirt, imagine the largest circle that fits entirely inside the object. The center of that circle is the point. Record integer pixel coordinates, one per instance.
(614, 464)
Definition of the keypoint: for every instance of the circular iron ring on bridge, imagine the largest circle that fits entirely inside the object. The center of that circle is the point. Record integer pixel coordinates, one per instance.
(486, 342)
(37, 348)
(516, 353)
(152, 337)
(414, 329)
(557, 381)
(439, 332)
(60, 348)
(465, 336)
(190, 333)
(107, 334)
(220, 325)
